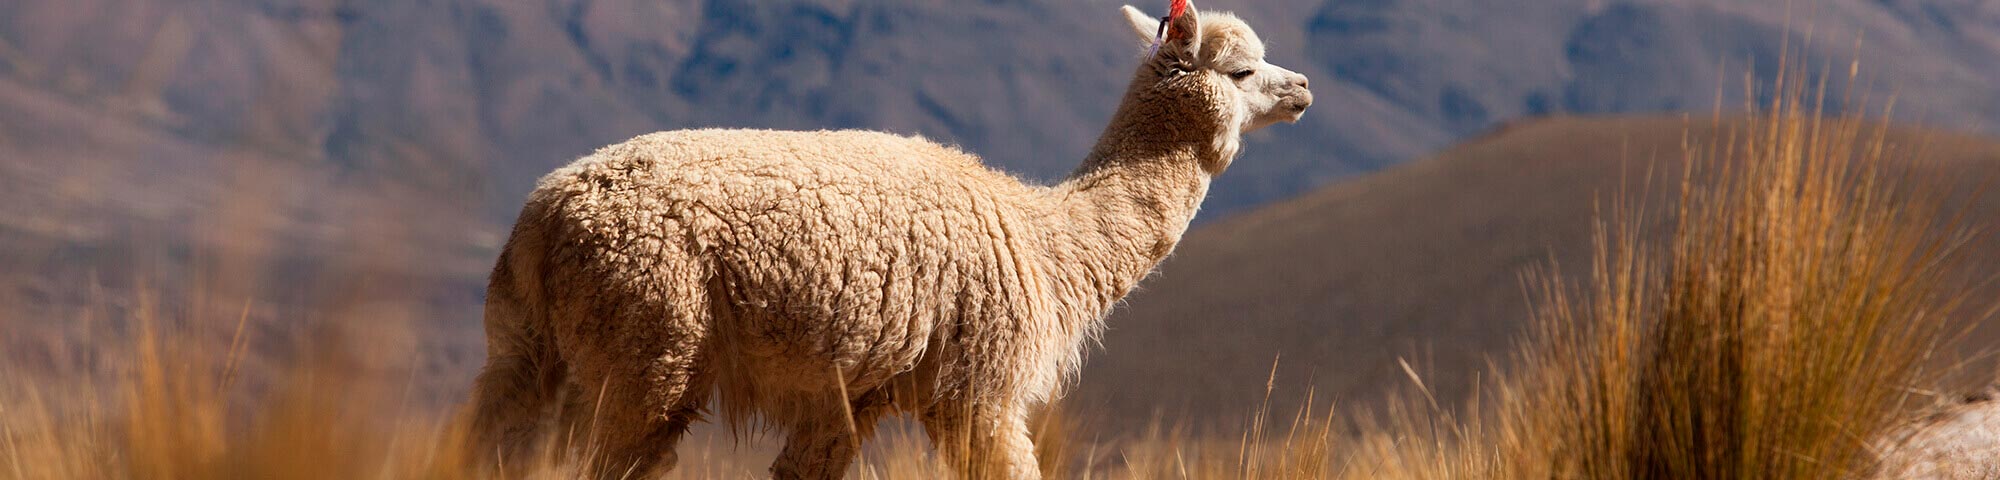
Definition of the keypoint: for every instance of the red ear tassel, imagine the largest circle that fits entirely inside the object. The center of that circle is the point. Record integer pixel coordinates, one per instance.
(1178, 8)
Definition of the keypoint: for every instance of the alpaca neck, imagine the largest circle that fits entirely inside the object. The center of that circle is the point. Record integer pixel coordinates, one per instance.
(1132, 198)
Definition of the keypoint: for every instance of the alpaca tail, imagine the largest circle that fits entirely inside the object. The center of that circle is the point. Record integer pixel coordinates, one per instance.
(522, 376)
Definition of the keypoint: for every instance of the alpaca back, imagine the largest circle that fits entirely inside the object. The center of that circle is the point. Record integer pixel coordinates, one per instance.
(860, 252)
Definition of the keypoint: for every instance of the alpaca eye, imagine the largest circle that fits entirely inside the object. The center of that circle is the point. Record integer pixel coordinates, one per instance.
(1242, 74)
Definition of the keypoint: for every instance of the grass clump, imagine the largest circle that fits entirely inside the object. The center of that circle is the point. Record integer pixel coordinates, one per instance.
(1800, 294)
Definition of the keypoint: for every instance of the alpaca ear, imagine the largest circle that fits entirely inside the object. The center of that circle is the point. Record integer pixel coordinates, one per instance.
(1183, 34)
(1143, 25)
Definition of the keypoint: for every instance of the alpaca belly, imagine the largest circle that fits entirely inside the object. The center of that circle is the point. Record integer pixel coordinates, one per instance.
(781, 352)
(806, 314)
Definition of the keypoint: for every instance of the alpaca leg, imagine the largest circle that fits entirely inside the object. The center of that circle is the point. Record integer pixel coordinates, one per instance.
(823, 447)
(636, 345)
(636, 390)
(514, 390)
(984, 441)
(510, 397)
(630, 423)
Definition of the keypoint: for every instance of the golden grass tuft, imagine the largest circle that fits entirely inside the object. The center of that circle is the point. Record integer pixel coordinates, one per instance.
(1777, 333)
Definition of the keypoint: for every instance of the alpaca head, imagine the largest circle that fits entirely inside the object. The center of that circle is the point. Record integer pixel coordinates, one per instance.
(1215, 60)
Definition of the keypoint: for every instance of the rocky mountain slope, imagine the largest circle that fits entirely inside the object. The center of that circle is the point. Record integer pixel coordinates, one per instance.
(481, 96)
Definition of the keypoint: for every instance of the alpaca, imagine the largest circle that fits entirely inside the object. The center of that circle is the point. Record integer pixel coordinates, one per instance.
(817, 281)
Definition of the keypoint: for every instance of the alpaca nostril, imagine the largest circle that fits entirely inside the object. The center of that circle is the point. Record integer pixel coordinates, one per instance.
(1301, 81)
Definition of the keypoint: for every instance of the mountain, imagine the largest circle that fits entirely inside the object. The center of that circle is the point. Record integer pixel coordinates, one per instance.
(482, 96)
(1423, 263)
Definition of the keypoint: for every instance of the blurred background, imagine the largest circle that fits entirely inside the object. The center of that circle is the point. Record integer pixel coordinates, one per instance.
(347, 168)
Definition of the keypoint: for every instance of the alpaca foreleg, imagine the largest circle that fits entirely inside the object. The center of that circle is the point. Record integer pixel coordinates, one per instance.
(984, 441)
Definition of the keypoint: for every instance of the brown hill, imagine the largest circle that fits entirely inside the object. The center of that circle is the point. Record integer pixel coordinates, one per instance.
(483, 96)
(1419, 262)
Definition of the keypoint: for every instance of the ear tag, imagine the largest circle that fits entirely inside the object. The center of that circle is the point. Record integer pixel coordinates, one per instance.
(1159, 37)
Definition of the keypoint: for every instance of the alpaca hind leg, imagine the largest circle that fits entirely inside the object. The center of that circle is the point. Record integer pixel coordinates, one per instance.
(822, 447)
(984, 441)
(517, 385)
(636, 337)
(629, 424)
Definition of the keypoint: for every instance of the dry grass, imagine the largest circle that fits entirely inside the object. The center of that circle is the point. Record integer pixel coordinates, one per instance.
(169, 414)
(1778, 332)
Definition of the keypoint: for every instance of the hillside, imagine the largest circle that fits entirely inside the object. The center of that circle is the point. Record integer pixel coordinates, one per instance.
(1419, 262)
(482, 96)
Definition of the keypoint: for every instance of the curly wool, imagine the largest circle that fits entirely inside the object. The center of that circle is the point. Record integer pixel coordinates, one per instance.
(848, 251)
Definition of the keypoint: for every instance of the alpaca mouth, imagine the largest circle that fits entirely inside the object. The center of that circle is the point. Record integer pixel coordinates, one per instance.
(1297, 105)
(1296, 109)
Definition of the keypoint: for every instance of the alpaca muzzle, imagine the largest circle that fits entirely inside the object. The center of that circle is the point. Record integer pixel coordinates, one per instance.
(1296, 103)
(1299, 98)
